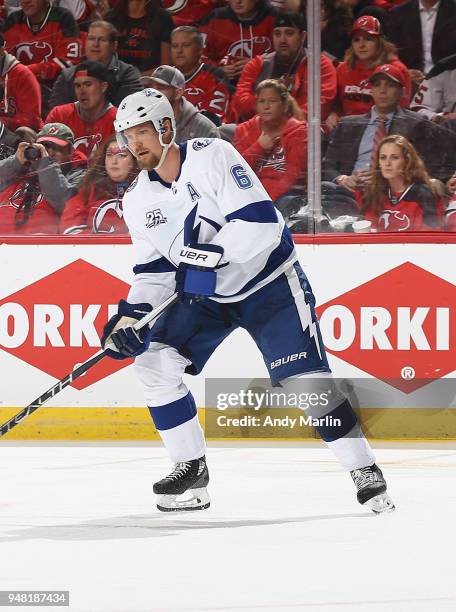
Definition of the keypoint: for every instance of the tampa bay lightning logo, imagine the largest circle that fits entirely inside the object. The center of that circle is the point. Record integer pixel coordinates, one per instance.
(201, 143)
(133, 185)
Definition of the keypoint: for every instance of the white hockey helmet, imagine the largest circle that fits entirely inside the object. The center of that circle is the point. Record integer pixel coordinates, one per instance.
(140, 107)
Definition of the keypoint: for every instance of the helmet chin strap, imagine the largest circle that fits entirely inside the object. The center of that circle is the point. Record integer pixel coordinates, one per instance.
(165, 148)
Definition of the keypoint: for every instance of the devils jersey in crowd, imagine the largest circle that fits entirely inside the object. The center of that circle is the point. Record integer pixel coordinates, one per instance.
(450, 215)
(87, 135)
(46, 48)
(94, 215)
(188, 12)
(25, 210)
(209, 90)
(415, 209)
(228, 38)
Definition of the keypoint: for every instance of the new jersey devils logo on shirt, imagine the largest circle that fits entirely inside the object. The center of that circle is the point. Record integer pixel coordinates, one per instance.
(88, 144)
(394, 221)
(17, 197)
(193, 92)
(245, 48)
(174, 6)
(33, 52)
(109, 218)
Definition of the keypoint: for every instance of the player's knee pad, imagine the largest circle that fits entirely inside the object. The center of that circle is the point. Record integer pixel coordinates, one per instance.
(160, 371)
(332, 413)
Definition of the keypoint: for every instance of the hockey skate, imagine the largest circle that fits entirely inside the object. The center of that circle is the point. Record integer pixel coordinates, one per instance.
(371, 487)
(184, 488)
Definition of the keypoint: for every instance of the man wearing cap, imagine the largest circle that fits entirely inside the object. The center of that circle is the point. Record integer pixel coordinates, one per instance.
(206, 86)
(287, 62)
(20, 93)
(91, 116)
(38, 180)
(100, 46)
(352, 143)
(190, 123)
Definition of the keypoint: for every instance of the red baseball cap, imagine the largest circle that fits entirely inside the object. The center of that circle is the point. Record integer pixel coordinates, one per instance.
(367, 23)
(390, 72)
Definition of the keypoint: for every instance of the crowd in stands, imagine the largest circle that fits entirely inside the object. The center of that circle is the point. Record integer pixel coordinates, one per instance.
(238, 70)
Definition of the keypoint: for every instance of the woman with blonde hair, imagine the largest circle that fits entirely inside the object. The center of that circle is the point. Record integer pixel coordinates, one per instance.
(369, 49)
(274, 141)
(401, 196)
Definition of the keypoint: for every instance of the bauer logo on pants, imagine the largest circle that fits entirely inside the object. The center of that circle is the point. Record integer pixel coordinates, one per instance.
(55, 322)
(400, 325)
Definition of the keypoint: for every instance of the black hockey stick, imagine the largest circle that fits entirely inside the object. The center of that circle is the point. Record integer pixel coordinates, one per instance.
(79, 371)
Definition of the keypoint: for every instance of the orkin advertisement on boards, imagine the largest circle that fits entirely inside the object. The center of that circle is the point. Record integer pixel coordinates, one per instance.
(386, 312)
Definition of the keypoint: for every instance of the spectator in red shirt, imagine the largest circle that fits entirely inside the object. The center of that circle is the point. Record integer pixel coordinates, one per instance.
(20, 103)
(400, 196)
(274, 142)
(288, 62)
(189, 12)
(236, 33)
(368, 50)
(43, 37)
(91, 117)
(97, 208)
(206, 86)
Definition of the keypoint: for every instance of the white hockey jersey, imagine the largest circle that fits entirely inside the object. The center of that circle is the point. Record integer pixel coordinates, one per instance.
(217, 199)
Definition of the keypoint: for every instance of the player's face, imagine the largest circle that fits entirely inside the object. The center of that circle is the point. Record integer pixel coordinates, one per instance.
(244, 8)
(99, 47)
(143, 142)
(118, 163)
(287, 42)
(185, 51)
(90, 92)
(391, 161)
(270, 106)
(365, 46)
(386, 94)
(34, 8)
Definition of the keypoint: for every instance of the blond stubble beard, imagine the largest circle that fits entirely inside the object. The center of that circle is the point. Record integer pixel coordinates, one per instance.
(149, 162)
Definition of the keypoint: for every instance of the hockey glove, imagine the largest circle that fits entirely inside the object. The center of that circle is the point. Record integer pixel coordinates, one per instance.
(119, 331)
(196, 277)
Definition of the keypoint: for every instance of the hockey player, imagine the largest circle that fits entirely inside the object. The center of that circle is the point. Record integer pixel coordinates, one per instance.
(201, 203)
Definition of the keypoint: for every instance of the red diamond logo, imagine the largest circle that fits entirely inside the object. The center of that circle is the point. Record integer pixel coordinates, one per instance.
(398, 327)
(54, 323)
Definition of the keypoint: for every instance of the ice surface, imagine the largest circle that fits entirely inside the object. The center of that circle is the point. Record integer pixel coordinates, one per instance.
(284, 531)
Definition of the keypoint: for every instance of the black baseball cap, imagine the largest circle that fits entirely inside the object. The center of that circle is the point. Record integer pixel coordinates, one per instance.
(290, 20)
(97, 70)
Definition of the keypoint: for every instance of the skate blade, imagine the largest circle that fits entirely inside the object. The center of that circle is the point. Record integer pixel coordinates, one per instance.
(191, 500)
(380, 503)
